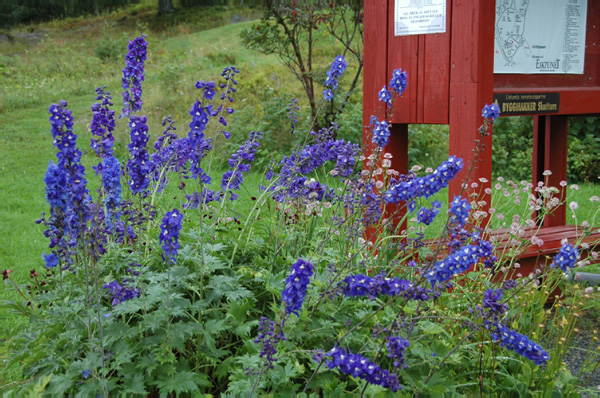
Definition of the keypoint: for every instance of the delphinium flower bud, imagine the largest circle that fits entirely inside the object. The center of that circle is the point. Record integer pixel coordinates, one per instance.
(361, 367)
(170, 228)
(491, 112)
(293, 109)
(407, 191)
(240, 164)
(398, 82)
(566, 257)
(138, 166)
(133, 75)
(296, 285)
(519, 343)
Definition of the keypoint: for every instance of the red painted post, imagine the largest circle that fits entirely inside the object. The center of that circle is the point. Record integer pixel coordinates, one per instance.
(471, 87)
(550, 153)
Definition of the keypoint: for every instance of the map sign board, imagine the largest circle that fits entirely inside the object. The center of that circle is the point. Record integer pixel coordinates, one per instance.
(540, 36)
(416, 17)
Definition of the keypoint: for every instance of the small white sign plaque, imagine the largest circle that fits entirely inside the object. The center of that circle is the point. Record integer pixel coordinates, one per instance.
(416, 17)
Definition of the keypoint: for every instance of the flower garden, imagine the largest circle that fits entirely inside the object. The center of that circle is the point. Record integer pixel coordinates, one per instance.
(174, 277)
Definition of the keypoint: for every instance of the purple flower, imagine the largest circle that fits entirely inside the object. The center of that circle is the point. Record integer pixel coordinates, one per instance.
(133, 75)
(338, 67)
(358, 366)
(385, 96)
(85, 373)
(240, 164)
(121, 293)
(360, 285)
(414, 187)
(111, 182)
(170, 228)
(296, 285)
(491, 112)
(103, 124)
(268, 338)
(426, 215)
(51, 260)
(208, 88)
(198, 145)
(459, 211)
(396, 347)
(459, 261)
(519, 343)
(398, 82)
(328, 94)
(381, 133)
(139, 163)
(492, 304)
(69, 163)
(566, 257)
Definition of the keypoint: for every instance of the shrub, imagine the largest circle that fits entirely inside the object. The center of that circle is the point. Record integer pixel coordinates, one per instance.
(233, 289)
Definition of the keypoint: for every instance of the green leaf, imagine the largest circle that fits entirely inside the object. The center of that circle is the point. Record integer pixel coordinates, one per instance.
(134, 385)
(182, 381)
(59, 385)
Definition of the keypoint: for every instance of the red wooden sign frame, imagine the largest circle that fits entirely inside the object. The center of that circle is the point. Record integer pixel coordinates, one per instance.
(451, 77)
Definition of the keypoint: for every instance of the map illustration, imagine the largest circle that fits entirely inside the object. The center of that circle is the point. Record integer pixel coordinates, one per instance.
(510, 27)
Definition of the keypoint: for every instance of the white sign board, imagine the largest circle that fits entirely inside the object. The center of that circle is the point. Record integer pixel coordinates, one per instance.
(416, 17)
(540, 36)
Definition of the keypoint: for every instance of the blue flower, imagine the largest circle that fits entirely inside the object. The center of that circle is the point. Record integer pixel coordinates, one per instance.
(385, 96)
(426, 215)
(493, 306)
(519, 343)
(459, 261)
(138, 165)
(338, 67)
(398, 82)
(491, 112)
(111, 182)
(381, 133)
(103, 124)
(328, 94)
(170, 228)
(396, 347)
(566, 257)
(240, 164)
(51, 260)
(358, 366)
(415, 187)
(360, 285)
(268, 338)
(133, 75)
(459, 211)
(208, 87)
(85, 373)
(121, 293)
(296, 285)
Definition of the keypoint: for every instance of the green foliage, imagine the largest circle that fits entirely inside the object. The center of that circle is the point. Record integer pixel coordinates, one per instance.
(583, 163)
(512, 148)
